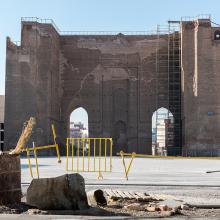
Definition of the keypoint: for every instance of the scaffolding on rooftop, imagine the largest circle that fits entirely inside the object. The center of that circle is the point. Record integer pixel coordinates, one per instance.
(68, 33)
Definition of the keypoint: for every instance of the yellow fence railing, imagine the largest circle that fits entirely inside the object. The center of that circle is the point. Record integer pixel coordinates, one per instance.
(89, 155)
(133, 155)
(37, 148)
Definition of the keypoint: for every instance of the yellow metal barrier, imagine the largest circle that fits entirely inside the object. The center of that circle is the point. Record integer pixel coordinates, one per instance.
(35, 149)
(89, 155)
(133, 155)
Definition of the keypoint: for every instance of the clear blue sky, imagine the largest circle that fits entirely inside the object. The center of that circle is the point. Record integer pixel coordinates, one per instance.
(97, 15)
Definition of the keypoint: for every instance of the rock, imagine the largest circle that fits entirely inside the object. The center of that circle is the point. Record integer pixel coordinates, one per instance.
(164, 208)
(184, 207)
(194, 208)
(135, 206)
(96, 198)
(167, 213)
(116, 204)
(172, 204)
(34, 212)
(152, 208)
(65, 192)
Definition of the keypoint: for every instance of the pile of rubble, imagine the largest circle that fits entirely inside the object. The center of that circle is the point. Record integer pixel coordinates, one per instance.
(137, 203)
(66, 195)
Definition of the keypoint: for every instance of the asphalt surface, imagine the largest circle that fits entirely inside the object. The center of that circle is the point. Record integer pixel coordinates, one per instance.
(143, 171)
(186, 179)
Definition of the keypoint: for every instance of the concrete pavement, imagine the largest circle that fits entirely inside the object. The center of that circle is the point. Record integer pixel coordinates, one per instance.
(183, 178)
(143, 171)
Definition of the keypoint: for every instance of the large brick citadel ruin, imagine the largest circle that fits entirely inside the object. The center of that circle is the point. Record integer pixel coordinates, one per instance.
(120, 79)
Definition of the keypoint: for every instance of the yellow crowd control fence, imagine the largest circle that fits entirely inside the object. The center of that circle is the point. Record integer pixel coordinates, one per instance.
(133, 155)
(89, 155)
(37, 148)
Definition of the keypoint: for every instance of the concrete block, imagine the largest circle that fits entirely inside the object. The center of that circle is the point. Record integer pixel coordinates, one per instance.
(66, 192)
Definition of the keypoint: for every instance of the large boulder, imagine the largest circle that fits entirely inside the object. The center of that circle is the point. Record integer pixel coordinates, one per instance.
(65, 192)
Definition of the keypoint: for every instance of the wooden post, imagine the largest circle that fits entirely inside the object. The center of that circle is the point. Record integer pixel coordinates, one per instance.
(10, 179)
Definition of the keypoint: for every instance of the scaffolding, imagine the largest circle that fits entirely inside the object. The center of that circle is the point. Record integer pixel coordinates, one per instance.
(174, 63)
(168, 83)
(82, 33)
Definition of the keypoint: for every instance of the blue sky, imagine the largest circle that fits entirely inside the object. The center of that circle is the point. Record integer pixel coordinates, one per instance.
(97, 15)
(80, 115)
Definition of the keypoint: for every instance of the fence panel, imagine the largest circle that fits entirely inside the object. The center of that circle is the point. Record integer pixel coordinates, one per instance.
(89, 155)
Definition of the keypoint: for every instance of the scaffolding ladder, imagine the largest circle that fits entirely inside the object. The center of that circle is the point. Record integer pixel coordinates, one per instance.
(168, 81)
(174, 63)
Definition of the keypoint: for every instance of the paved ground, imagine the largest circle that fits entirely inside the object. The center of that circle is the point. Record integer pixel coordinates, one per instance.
(143, 171)
(186, 179)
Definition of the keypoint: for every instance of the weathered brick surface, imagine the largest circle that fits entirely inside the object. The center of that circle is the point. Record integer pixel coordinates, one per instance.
(200, 88)
(10, 179)
(112, 77)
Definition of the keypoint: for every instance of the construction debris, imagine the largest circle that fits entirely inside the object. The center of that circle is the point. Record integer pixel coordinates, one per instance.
(96, 198)
(158, 206)
(25, 135)
(135, 207)
(141, 202)
(130, 195)
(173, 204)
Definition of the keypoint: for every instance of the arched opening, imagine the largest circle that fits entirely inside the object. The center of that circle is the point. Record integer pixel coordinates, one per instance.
(217, 35)
(79, 126)
(162, 131)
